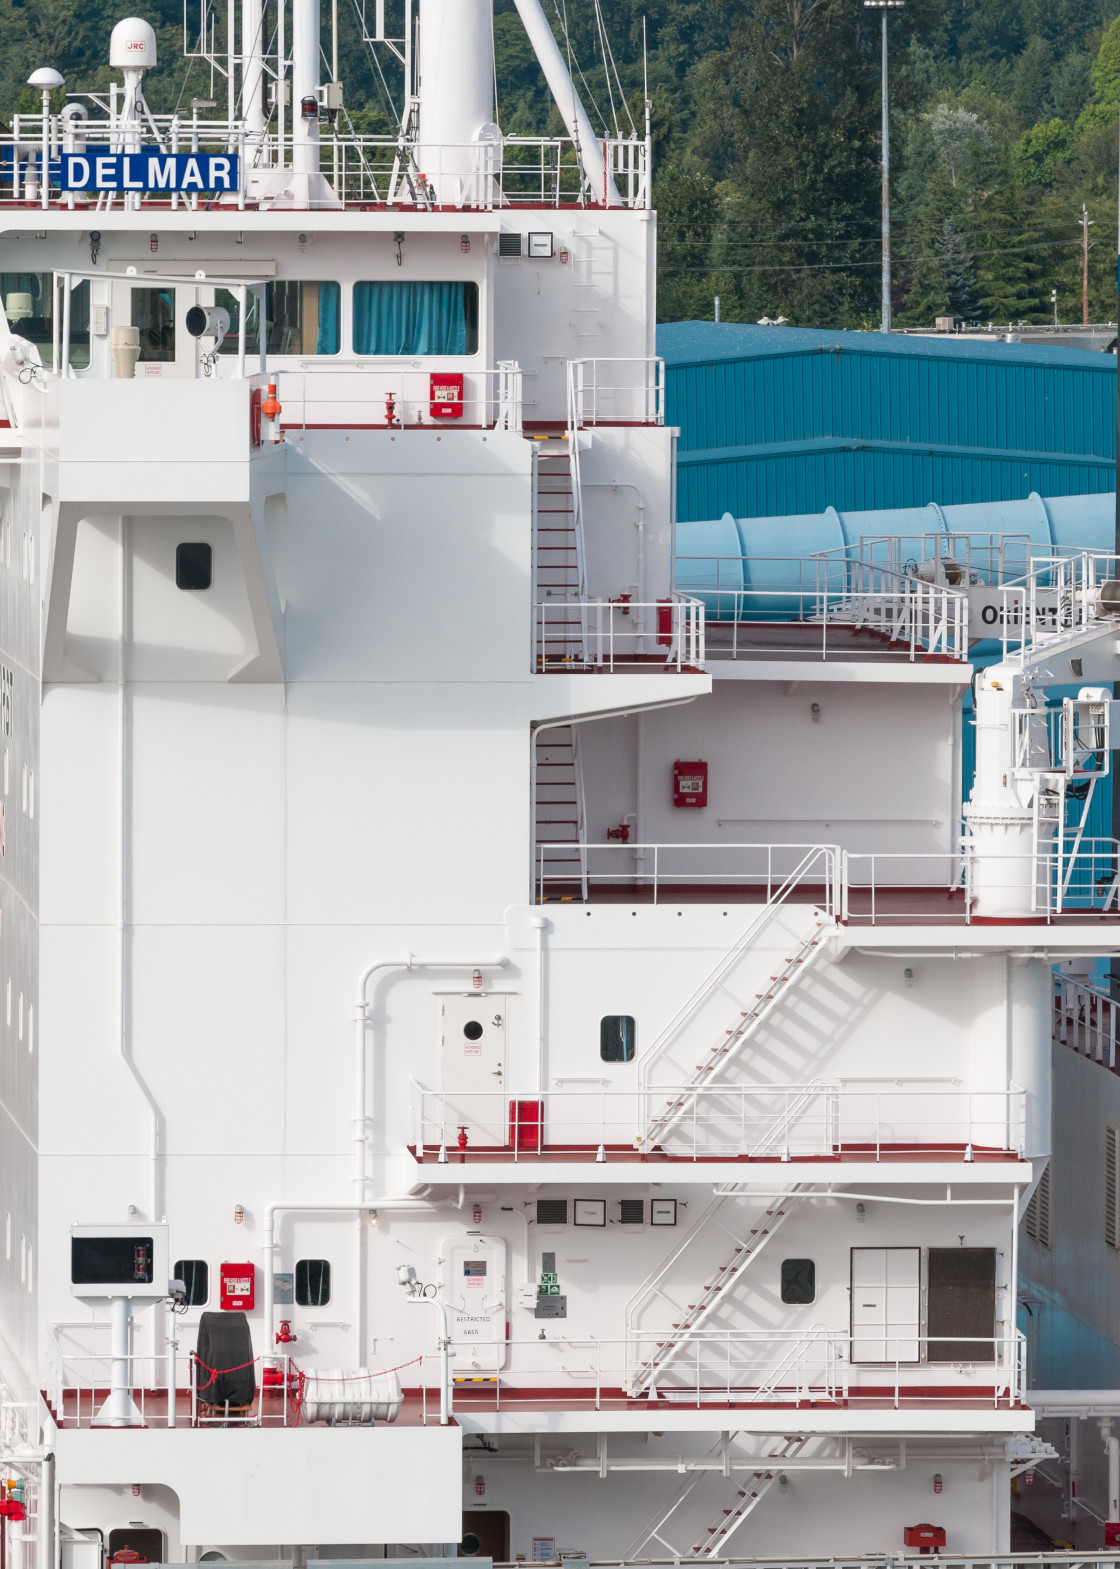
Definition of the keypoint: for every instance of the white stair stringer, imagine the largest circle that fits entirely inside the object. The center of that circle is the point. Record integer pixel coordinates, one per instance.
(748, 1500)
(748, 1243)
(652, 1532)
(728, 1048)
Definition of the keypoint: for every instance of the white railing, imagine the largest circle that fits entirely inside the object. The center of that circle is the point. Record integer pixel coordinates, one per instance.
(618, 634)
(658, 871)
(365, 392)
(1088, 1020)
(622, 391)
(1058, 598)
(826, 605)
(78, 1386)
(1070, 881)
(744, 1368)
(367, 171)
(786, 1122)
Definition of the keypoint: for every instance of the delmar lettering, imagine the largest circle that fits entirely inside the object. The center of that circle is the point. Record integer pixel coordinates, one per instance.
(100, 169)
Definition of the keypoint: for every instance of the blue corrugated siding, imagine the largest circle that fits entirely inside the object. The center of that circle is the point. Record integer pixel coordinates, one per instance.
(982, 427)
(862, 479)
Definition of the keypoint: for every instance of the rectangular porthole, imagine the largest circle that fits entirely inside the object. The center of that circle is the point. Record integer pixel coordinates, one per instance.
(313, 1282)
(194, 566)
(616, 1038)
(799, 1281)
(195, 1275)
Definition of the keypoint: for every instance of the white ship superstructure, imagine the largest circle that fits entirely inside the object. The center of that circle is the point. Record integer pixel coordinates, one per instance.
(502, 1042)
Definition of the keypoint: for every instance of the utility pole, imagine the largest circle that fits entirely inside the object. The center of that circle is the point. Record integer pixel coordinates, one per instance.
(1086, 225)
(884, 6)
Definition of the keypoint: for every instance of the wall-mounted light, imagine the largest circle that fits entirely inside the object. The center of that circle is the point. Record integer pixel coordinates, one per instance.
(476, 980)
(238, 1214)
(861, 1214)
(480, 1486)
(465, 244)
(815, 711)
(938, 1483)
(908, 976)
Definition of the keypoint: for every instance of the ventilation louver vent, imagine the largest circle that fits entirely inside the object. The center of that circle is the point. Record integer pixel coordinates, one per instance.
(1038, 1211)
(509, 245)
(632, 1212)
(1111, 1197)
(552, 1212)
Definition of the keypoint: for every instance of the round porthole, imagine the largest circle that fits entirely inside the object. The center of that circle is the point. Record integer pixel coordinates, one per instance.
(469, 1546)
(472, 1030)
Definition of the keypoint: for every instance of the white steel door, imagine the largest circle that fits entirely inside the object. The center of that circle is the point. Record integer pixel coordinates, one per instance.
(473, 1069)
(886, 1304)
(473, 1285)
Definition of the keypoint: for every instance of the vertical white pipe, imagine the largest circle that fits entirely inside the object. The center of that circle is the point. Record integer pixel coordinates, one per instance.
(252, 67)
(231, 59)
(281, 79)
(305, 84)
(45, 1556)
(604, 192)
(1113, 1447)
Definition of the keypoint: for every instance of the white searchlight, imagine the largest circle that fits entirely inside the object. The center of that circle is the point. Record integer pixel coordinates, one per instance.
(208, 321)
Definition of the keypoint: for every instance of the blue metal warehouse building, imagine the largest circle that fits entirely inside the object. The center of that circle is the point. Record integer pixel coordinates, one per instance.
(777, 421)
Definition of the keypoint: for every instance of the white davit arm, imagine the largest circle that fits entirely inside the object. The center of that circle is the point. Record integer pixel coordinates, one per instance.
(563, 89)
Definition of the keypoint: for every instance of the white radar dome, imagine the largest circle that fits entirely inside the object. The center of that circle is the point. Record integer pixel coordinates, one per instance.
(132, 46)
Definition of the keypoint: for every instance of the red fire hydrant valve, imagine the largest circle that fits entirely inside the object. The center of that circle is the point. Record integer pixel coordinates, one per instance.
(284, 1336)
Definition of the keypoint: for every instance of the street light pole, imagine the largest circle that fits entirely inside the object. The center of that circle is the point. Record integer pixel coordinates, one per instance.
(884, 6)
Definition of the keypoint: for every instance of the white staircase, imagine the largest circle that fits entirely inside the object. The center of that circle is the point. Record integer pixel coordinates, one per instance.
(729, 1045)
(747, 1501)
(747, 1243)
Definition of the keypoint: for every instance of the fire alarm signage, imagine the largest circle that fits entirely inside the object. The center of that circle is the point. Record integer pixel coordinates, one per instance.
(238, 1287)
(445, 391)
(690, 784)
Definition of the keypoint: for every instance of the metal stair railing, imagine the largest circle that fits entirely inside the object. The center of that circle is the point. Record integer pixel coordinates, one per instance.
(719, 1535)
(724, 1053)
(652, 1533)
(820, 859)
(717, 1290)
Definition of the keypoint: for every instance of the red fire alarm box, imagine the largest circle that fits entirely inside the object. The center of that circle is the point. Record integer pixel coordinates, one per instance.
(1111, 1529)
(445, 389)
(238, 1287)
(690, 784)
(928, 1538)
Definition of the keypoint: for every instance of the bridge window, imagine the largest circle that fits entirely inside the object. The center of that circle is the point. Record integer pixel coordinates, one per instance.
(153, 312)
(29, 307)
(416, 318)
(303, 318)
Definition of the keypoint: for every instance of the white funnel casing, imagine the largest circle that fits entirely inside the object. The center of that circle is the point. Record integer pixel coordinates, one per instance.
(458, 141)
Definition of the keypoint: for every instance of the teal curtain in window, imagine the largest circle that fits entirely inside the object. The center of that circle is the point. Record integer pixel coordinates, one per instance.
(326, 339)
(415, 318)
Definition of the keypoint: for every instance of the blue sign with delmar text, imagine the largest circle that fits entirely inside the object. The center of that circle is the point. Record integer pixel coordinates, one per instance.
(100, 169)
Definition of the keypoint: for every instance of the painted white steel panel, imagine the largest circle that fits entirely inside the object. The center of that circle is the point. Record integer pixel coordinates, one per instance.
(886, 1304)
(473, 1286)
(472, 1042)
(314, 1484)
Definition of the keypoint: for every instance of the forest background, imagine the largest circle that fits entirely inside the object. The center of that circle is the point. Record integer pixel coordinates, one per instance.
(765, 122)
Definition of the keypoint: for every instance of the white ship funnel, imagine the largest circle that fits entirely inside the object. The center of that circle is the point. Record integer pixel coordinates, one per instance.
(458, 143)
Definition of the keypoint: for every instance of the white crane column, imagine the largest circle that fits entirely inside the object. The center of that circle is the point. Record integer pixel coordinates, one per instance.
(604, 192)
(305, 86)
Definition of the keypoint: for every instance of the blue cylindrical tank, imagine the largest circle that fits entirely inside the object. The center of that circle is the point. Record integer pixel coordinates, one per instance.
(723, 559)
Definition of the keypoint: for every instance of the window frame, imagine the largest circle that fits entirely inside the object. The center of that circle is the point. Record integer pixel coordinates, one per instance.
(301, 1283)
(627, 1032)
(196, 1264)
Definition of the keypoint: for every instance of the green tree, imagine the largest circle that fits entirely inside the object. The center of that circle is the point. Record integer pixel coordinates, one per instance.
(1038, 150)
